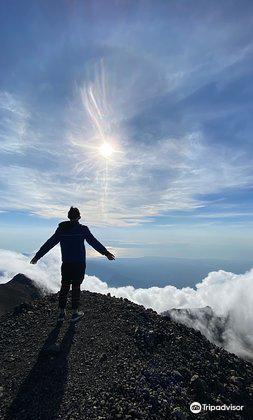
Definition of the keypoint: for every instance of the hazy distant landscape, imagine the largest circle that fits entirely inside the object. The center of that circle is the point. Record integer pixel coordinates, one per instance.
(160, 271)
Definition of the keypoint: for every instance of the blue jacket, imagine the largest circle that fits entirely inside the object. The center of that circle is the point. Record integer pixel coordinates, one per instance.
(71, 236)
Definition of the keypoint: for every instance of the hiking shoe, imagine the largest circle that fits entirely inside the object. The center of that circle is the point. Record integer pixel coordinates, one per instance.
(77, 316)
(61, 316)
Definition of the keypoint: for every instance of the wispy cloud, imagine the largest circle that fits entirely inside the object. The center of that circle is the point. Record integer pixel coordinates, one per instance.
(156, 94)
(13, 125)
(140, 180)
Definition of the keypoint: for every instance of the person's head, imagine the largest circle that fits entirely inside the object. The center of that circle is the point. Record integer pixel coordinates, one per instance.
(74, 214)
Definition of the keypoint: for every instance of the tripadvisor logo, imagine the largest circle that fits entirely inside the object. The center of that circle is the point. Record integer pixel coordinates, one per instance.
(196, 407)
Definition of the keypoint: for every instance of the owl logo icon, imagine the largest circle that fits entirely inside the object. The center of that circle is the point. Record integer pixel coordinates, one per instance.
(195, 407)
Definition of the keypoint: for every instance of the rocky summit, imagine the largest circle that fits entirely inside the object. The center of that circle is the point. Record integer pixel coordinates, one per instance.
(120, 362)
(19, 289)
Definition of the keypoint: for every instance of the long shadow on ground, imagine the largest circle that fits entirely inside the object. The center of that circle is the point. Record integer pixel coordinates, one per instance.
(40, 395)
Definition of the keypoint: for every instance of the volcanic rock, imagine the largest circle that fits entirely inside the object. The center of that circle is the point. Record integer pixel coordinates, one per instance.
(120, 362)
(18, 290)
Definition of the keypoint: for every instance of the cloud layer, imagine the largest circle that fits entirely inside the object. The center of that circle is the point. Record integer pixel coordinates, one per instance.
(225, 292)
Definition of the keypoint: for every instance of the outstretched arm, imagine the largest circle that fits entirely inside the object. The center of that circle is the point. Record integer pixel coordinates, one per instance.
(49, 244)
(97, 245)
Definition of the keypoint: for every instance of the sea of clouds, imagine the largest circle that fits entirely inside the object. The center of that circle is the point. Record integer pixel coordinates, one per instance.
(226, 293)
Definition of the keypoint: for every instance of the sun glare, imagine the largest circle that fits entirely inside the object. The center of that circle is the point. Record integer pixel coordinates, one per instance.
(106, 150)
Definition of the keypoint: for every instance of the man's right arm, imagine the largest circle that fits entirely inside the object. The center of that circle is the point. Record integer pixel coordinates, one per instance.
(49, 244)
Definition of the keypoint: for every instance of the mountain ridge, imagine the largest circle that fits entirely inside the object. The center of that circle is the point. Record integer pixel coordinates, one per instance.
(121, 362)
(217, 329)
(19, 289)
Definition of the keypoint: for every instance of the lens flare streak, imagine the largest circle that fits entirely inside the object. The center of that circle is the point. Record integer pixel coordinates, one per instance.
(101, 147)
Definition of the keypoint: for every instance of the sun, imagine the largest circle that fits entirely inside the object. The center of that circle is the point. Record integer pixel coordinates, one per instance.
(106, 150)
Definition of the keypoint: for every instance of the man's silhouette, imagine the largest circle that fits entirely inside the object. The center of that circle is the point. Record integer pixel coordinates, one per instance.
(71, 235)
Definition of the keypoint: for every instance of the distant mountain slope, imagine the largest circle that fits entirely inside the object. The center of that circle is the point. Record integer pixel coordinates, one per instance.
(19, 289)
(121, 362)
(203, 319)
(219, 330)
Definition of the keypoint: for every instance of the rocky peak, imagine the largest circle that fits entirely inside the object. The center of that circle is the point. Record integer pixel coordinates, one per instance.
(120, 362)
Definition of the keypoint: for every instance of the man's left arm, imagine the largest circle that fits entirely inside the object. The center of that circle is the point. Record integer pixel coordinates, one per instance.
(97, 245)
(49, 244)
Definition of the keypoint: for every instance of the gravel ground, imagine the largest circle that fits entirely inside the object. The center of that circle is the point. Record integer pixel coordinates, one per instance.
(120, 362)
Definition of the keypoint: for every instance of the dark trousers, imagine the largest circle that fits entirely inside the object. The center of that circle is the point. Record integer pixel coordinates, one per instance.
(72, 274)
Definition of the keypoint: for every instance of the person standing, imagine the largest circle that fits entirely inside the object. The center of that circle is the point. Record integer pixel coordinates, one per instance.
(71, 236)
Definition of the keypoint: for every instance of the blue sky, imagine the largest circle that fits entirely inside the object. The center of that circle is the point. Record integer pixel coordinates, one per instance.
(168, 85)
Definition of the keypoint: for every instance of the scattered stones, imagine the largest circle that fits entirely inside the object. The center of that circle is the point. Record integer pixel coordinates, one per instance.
(21, 308)
(121, 362)
(10, 358)
(103, 357)
(177, 375)
(198, 384)
(179, 414)
(236, 379)
(148, 340)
